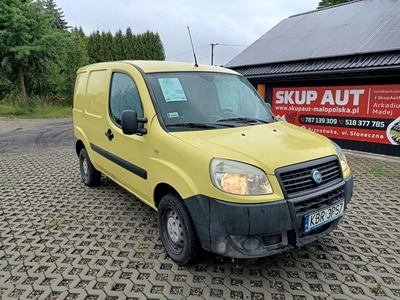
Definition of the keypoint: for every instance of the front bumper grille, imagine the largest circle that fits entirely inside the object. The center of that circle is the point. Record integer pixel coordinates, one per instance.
(297, 179)
(320, 201)
(314, 204)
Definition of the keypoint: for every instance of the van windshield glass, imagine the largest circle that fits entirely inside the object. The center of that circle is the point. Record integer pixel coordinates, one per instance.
(206, 98)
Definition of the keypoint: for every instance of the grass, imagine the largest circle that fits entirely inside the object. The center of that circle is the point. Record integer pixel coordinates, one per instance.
(6, 110)
(133, 265)
(51, 224)
(378, 169)
(43, 111)
(377, 289)
(51, 111)
(6, 184)
(11, 106)
(48, 226)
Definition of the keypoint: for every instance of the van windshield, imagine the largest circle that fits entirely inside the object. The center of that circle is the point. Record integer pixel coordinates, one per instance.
(207, 100)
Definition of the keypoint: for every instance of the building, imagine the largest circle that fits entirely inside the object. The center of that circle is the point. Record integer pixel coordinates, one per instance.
(335, 71)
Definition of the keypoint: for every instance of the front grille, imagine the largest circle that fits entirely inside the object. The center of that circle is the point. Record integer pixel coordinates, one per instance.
(297, 179)
(321, 201)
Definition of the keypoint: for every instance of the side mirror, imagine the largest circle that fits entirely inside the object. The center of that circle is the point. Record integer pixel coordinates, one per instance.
(129, 123)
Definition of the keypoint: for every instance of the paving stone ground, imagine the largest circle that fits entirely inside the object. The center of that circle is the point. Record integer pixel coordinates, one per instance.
(62, 240)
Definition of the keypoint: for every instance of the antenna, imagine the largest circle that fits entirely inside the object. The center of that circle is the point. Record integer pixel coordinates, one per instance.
(194, 54)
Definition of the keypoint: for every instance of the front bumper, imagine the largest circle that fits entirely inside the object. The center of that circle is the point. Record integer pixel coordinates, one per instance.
(257, 230)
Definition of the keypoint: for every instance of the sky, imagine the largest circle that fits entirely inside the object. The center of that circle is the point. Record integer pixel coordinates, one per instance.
(232, 24)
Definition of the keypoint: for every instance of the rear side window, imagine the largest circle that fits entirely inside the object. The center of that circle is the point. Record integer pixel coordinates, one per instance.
(95, 93)
(124, 95)
(79, 92)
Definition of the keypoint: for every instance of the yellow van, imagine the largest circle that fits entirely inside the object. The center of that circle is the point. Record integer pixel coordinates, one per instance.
(198, 144)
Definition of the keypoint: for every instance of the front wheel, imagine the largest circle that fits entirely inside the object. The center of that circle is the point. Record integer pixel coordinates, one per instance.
(177, 230)
(90, 176)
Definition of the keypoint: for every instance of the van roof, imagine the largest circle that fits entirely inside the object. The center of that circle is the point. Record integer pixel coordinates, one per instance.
(153, 66)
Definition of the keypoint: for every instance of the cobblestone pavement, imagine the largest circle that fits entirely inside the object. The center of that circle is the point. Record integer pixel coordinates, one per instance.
(62, 240)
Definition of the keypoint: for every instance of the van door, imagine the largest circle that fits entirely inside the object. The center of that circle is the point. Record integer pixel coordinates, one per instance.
(128, 154)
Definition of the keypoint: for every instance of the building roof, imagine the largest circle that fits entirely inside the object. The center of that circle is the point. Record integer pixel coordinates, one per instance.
(357, 28)
(368, 64)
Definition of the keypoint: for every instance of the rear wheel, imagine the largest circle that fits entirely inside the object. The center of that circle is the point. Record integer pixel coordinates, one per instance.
(90, 176)
(177, 231)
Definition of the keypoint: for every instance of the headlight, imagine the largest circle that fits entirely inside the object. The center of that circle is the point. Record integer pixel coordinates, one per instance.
(238, 178)
(342, 156)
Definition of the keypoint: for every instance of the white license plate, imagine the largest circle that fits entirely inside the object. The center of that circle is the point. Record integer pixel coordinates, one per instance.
(322, 217)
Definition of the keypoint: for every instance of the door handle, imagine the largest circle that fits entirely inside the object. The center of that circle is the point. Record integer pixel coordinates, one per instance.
(109, 134)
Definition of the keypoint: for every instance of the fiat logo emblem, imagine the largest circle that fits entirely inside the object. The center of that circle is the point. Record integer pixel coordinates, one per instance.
(316, 176)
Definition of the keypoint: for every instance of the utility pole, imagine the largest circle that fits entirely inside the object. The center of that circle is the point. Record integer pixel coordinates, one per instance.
(212, 53)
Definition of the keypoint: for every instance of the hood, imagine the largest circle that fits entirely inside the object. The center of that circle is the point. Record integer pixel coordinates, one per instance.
(268, 146)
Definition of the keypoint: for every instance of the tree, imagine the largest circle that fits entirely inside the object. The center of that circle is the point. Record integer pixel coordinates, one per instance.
(118, 46)
(327, 3)
(59, 23)
(55, 81)
(158, 47)
(130, 44)
(27, 41)
(106, 47)
(94, 44)
(77, 56)
(6, 85)
(107, 42)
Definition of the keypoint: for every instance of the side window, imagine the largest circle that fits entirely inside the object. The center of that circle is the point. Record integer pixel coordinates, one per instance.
(124, 95)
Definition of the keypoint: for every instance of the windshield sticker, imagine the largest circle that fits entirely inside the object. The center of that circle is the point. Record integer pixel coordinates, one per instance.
(172, 89)
(172, 115)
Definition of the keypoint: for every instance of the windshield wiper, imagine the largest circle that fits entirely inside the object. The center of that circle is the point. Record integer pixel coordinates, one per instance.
(192, 125)
(243, 120)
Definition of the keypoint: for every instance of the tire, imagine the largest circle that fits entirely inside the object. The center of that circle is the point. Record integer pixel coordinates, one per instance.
(177, 231)
(90, 176)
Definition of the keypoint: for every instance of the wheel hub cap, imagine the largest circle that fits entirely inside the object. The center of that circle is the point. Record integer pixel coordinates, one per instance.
(173, 228)
(85, 167)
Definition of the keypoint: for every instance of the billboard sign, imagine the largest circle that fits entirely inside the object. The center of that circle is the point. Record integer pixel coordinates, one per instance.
(360, 113)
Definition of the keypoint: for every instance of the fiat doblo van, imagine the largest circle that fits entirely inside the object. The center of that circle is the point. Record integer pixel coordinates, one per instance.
(199, 145)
